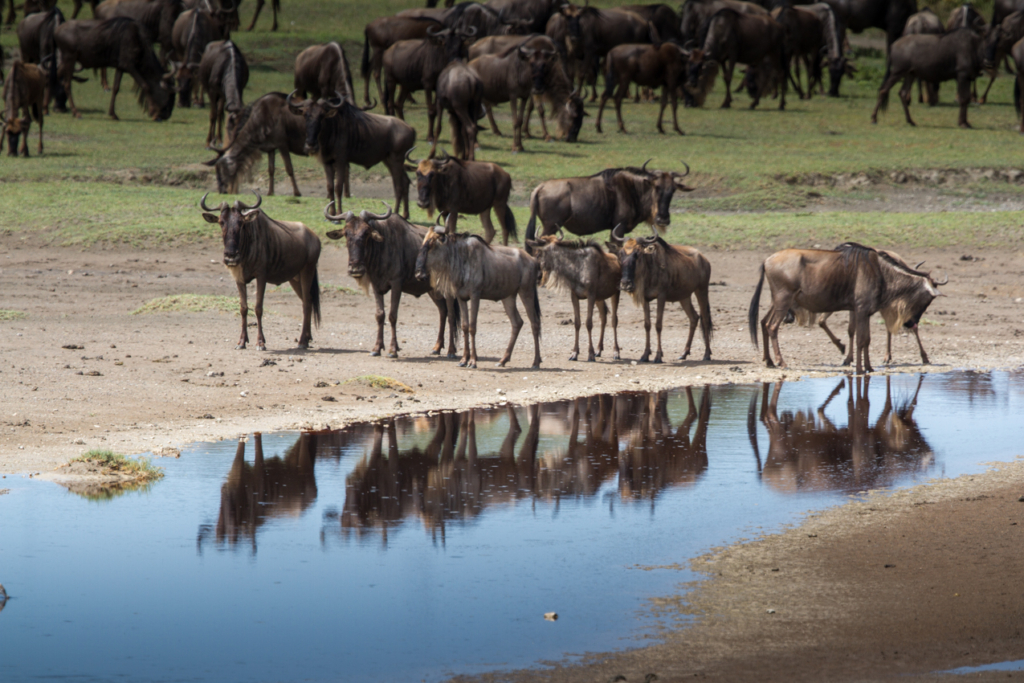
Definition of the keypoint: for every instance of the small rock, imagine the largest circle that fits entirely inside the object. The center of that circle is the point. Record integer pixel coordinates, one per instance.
(94, 373)
(207, 416)
(551, 616)
(1021, 499)
(211, 373)
(632, 362)
(79, 442)
(266, 362)
(889, 566)
(329, 399)
(243, 394)
(321, 384)
(770, 611)
(167, 452)
(73, 347)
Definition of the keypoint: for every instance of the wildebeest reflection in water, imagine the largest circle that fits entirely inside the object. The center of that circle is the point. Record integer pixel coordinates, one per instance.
(807, 452)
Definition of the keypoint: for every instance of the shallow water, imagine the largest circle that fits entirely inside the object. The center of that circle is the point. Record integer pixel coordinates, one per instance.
(416, 548)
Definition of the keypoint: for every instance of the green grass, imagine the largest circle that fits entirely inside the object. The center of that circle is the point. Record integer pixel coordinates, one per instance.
(6, 314)
(139, 468)
(381, 382)
(189, 303)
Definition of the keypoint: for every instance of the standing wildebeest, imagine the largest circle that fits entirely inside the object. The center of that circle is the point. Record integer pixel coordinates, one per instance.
(119, 43)
(339, 133)
(565, 105)
(483, 20)
(851, 278)
(257, 247)
(694, 13)
(592, 32)
(889, 15)
(925, 21)
(382, 251)
(953, 56)
(275, 6)
(452, 186)
(466, 268)
(998, 43)
(461, 93)
(731, 38)
(266, 125)
(647, 65)
(24, 90)
(584, 270)
(664, 19)
(194, 29)
(224, 74)
(157, 17)
(653, 269)
(813, 37)
(585, 206)
(382, 33)
(35, 38)
(834, 39)
(322, 70)
(532, 15)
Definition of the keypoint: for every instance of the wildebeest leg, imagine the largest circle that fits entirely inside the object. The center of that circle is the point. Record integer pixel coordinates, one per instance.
(528, 295)
(474, 312)
(906, 99)
(727, 77)
(66, 77)
(823, 324)
(1020, 97)
(992, 79)
(517, 124)
(615, 324)
(647, 329)
(344, 181)
(466, 345)
(453, 331)
(963, 87)
(694, 320)
(442, 310)
(576, 324)
(261, 287)
(378, 297)
(888, 348)
(468, 131)
(517, 324)
(396, 298)
(658, 325)
(675, 111)
(243, 309)
(270, 169)
(329, 172)
(485, 220)
(211, 135)
(113, 94)
(490, 119)
(543, 121)
(883, 94)
(861, 324)
(603, 313)
(302, 285)
(259, 6)
(400, 182)
(600, 107)
(103, 79)
(920, 347)
(26, 124)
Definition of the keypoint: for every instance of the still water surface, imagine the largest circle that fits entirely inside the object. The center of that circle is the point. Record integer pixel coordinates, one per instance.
(424, 546)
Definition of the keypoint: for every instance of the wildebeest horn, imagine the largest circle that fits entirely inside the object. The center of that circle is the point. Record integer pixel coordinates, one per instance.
(341, 218)
(644, 167)
(528, 51)
(369, 106)
(944, 282)
(248, 211)
(288, 100)
(414, 162)
(561, 234)
(682, 175)
(446, 158)
(202, 203)
(654, 235)
(618, 234)
(918, 266)
(339, 98)
(466, 31)
(432, 32)
(367, 216)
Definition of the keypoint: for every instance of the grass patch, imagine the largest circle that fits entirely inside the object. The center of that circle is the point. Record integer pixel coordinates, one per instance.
(381, 382)
(189, 303)
(7, 314)
(139, 468)
(326, 286)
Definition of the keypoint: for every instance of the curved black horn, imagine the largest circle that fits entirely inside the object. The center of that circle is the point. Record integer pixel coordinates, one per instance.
(644, 167)
(339, 98)
(202, 203)
(944, 282)
(369, 106)
(431, 32)
(618, 234)
(918, 266)
(255, 207)
(561, 234)
(340, 218)
(414, 162)
(288, 100)
(654, 234)
(446, 157)
(367, 216)
(466, 31)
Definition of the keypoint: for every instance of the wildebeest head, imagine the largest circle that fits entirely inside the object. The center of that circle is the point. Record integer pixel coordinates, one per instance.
(837, 68)
(539, 61)
(159, 100)
(451, 40)
(227, 169)
(359, 231)
(233, 221)
(663, 185)
(917, 292)
(315, 113)
(570, 119)
(634, 252)
(432, 240)
(432, 176)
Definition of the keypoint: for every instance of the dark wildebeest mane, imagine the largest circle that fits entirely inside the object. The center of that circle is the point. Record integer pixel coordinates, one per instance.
(581, 244)
(853, 248)
(249, 153)
(852, 251)
(702, 32)
(357, 129)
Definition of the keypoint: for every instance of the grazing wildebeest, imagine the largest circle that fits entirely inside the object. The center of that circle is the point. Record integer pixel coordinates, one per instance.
(998, 43)
(654, 270)
(416, 65)
(834, 39)
(514, 76)
(461, 93)
(694, 13)
(265, 126)
(810, 35)
(224, 74)
(592, 32)
(322, 70)
(453, 186)
(157, 17)
(483, 20)
(119, 43)
(585, 206)
(275, 5)
(889, 15)
(382, 33)
(731, 38)
(257, 247)
(35, 39)
(925, 21)
(382, 251)
(24, 91)
(194, 29)
(954, 56)
(851, 278)
(339, 133)
(466, 268)
(650, 66)
(587, 272)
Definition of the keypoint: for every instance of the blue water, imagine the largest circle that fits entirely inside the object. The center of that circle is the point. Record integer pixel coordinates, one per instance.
(430, 545)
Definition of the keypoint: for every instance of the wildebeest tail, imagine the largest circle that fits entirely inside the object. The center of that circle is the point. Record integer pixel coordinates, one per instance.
(755, 304)
(883, 98)
(365, 66)
(510, 223)
(536, 304)
(1016, 95)
(314, 295)
(456, 322)
(531, 225)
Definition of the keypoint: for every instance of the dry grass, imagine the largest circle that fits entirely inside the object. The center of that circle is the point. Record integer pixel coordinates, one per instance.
(6, 314)
(189, 303)
(381, 382)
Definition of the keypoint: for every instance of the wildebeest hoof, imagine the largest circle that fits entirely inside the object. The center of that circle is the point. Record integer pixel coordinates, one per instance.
(965, 125)
(239, 346)
(707, 355)
(462, 363)
(574, 355)
(616, 357)
(683, 357)
(435, 352)
(392, 354)
(846, 362)
(375, 352)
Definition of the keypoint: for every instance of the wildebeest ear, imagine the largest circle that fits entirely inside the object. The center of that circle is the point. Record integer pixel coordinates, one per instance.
(680, 185)
(330, 113)
(336, 234)
(211, 218)
(650, 248)
(410, 169)
(377, 237)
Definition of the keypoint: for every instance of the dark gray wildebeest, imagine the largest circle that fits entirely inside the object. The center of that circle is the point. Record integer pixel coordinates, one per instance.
(585, 206)
(382, 33)
(275, 5)
(194, 29)
(452, 186)
(925, 21)
(894, 314)
(322, 71)
(564, 103)
(257, 247)
(531, 14)
(654, 270)
(416, 65)
(813, 38)
(1017, 52)
(1004, 8)
(592, 32)
(515, 76)
(889, 15)
(265, 126)
(35, 38)
(851, 278)
(460, 92)
(121, 44)
(664, 19)
(382, 251)
(998, 43)
(339, 133)
(833, 53)
(24, 91)
(472, 15)
(586, 271)
(730, 38)
(466, 268)
(157, 17)
(223, 73)
(651, 66)
(694, 13)
(965, 16)
(954, 56)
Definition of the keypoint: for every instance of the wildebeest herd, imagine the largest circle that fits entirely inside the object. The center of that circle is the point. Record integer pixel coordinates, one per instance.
(542, 55)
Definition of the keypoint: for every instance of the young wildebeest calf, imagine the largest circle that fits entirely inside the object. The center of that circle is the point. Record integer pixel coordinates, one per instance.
(453, 186)
(461, 93)
(24, 89)
(382, 252)
(587, 272)
(654, 269)
(466, 268)
(256, 247)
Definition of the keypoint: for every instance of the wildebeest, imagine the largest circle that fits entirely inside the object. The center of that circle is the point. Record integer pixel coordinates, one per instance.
(265, 126)
(587, 272)
(466, 268)
(119, 43)
(965, 16)
(35, 39)
(224, 74)
(834, 38)
(954, 56)
(663, 18)
(813, 38)
(998, 43)
(650, 66)
(694, 13)
(532, 15)
(925, 21)
(275, 5)
(157, 17)
(339, 133)
(382, 33)
(453, 186)
(889, 15)
(592, 32)
(194, 29)
(1017, 52)
(851, 278)
(1003, 8)
(588, 205)
(654, 270)
(461, 93)
(257, 247)
(24, 90)
(564, 103)
(731, 38)
(322, 71)
(382, 251)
